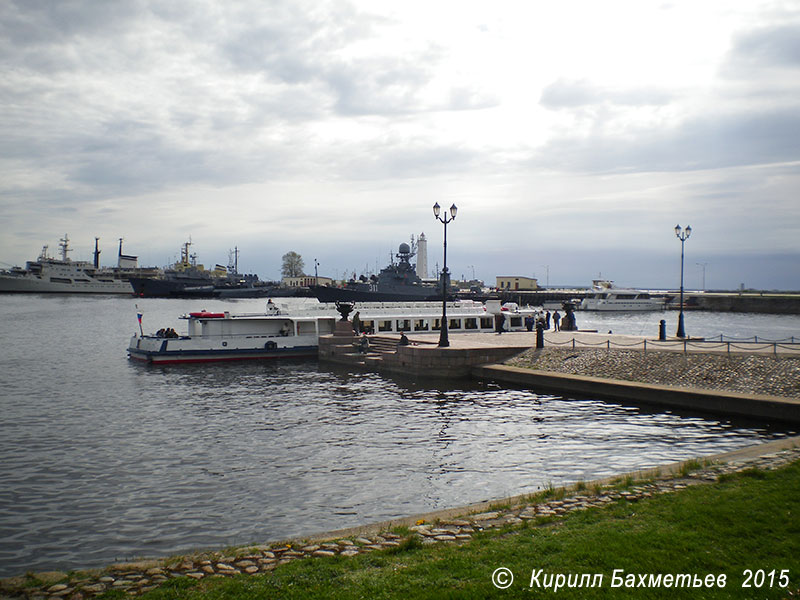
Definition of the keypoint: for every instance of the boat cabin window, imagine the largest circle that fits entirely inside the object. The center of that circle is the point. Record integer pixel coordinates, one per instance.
(404, 325)
(368, 326)
(326, 326)
(487, 322)
(471, 323)
(306, 328)
(516, 322)
(436, 324)
(455, 324)
(60, 280)
(626, 296)
(420, 325)
(384, 325)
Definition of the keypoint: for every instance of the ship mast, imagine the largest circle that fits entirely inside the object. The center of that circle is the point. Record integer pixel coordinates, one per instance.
(63, 243)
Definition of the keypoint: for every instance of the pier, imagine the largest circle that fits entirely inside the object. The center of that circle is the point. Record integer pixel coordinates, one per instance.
(747, 379)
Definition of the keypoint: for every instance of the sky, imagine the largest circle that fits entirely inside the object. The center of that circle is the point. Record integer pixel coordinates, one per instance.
(573, 136)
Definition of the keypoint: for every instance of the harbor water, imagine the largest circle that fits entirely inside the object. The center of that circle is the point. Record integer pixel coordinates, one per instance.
(103, 459)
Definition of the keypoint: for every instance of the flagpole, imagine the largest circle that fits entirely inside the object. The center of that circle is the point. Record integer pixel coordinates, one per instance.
(139, 317)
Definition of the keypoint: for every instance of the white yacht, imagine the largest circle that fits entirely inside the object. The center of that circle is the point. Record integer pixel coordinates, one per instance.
(281, 332)
(606, 297)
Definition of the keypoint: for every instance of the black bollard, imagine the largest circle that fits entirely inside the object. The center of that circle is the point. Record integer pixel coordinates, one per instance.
(662, 331)
(539, 335)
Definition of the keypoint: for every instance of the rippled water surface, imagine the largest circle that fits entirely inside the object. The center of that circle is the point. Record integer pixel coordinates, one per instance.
(104, 459)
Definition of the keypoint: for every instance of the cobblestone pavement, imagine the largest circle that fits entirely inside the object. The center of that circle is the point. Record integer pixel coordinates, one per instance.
(746, 373)
(136, 578)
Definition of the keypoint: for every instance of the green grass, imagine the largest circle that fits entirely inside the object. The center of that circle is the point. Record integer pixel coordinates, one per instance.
(746, 521)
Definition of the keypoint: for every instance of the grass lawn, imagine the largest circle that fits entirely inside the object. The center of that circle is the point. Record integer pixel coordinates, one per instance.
(750, 520)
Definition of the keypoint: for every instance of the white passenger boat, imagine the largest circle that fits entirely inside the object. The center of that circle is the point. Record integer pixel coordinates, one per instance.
(281, 332)
(606, 297)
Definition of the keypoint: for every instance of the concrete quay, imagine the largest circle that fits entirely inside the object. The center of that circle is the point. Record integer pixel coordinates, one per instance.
(752, 380)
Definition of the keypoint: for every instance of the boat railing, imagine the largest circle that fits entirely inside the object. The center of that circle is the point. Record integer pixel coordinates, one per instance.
(244, 335)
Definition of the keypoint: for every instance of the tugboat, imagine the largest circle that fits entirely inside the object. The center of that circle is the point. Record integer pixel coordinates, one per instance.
(397, 282)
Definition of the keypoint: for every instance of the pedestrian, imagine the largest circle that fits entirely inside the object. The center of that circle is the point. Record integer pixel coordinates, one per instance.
(499, 322)
(547, 320)
(363, 345)
(556, 321)
(356, 323)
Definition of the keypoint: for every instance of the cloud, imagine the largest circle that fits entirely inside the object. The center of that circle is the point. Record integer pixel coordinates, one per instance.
(573, 94)
(145, 117)
(700, 142)
(775, 46)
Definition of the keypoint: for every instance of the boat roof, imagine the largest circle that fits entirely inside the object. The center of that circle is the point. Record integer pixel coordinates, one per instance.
(366, 311)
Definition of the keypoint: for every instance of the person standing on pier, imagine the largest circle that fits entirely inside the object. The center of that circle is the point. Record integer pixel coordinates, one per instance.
(556, 320)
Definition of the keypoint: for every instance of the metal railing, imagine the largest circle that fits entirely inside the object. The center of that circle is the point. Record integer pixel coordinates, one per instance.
(687, 344)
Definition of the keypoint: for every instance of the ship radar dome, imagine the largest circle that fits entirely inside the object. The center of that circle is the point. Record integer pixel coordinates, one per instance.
(404, 248)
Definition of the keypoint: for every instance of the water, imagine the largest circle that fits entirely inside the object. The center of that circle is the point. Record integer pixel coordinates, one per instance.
(103, 459)
(698, 324)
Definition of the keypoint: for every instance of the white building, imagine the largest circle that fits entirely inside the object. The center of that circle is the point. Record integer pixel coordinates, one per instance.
(422, 256)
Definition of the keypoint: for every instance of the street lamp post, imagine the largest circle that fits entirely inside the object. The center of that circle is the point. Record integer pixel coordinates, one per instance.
(682, 235)
(443, 341)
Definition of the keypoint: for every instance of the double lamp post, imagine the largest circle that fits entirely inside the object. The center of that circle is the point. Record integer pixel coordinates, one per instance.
(443, 341)
(683, 235)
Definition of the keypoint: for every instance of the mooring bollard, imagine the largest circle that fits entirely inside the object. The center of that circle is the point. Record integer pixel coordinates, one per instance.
(662, 331)
(539, 335)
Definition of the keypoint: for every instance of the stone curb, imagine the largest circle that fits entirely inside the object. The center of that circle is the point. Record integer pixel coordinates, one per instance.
(450, 526)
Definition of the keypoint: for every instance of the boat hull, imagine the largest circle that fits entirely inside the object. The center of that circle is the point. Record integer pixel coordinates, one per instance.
(620, 306)
(209, 356)
(30, 284)
(185, 350)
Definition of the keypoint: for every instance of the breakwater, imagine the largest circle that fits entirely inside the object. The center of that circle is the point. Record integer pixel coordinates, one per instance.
(786, 304)
(741, 302)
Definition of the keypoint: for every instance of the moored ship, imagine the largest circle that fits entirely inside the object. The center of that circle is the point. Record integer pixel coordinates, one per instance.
(187, 279)
(62, 275)
(606, 297)
(397, 282)
(281, 332)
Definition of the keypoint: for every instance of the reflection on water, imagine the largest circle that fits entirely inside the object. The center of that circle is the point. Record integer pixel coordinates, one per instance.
(104, 459)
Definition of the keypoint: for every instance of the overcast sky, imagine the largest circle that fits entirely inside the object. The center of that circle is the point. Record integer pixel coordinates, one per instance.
(573, 136)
